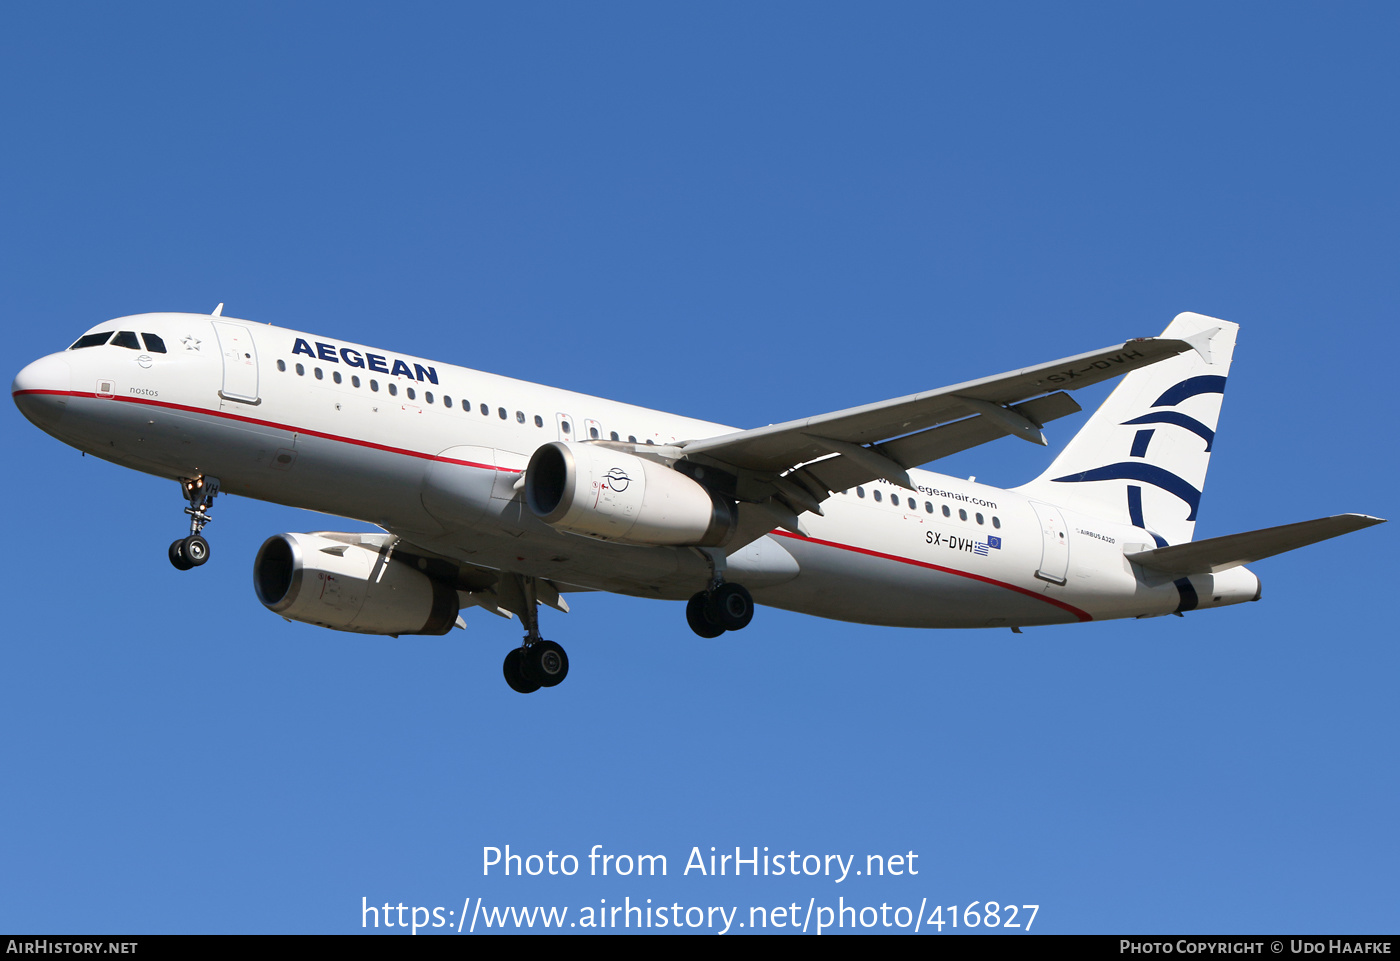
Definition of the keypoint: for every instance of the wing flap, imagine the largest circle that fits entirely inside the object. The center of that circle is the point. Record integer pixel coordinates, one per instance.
(1222, 553)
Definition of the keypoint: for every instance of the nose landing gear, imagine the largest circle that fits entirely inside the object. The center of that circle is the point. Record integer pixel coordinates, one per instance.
(193, 551)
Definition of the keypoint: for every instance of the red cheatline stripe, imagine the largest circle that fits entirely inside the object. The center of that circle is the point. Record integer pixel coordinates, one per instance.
(273, 424)
(1082, 615)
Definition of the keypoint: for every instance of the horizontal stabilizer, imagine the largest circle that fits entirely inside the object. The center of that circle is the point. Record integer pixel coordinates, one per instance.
(1222, 553)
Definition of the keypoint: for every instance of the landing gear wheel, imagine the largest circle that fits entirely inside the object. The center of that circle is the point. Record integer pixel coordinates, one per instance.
(177, 556)
(514, 676)
(195, 549)
(697, 615)
(731, 607)
(545, 662)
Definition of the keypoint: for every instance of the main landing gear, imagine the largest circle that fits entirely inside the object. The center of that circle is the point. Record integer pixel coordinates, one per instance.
(724, 607)
(193, 551)
(536, 663)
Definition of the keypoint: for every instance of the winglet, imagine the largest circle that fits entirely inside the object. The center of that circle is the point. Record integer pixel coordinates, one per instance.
(1200, 342)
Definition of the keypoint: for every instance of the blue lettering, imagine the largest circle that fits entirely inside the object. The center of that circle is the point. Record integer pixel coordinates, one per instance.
(353, 358)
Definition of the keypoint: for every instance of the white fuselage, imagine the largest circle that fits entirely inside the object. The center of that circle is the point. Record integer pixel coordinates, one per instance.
(433, 453)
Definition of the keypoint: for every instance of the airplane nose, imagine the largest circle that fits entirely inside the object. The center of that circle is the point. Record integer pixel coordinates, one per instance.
(41, 390)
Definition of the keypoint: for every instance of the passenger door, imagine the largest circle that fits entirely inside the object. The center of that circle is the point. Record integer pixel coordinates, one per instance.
(240, 362)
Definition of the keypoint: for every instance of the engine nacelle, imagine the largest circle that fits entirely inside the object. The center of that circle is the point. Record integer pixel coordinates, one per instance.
(347, 587)
(600, 492)
(1236, 585)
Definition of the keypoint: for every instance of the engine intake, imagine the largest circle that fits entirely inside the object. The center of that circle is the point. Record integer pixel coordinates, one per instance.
(346, 587)
(611, 495)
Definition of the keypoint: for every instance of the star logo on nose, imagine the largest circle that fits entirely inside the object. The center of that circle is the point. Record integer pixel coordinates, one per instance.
(190, 342)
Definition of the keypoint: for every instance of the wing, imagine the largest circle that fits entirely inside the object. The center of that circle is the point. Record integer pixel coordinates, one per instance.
(791, 468)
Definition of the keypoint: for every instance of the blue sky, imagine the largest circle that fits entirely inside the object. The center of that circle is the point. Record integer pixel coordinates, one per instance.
(745, 213)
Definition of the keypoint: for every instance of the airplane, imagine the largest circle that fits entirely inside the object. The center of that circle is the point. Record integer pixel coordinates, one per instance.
(500, 494)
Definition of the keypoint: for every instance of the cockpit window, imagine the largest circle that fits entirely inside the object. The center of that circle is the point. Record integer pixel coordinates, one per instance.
(153, 343)
(126, 338)
(91, 340)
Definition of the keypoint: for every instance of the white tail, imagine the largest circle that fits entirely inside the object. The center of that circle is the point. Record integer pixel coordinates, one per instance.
(1142, 458)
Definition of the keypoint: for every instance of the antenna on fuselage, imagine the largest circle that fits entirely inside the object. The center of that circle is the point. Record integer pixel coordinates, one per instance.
(218, 311)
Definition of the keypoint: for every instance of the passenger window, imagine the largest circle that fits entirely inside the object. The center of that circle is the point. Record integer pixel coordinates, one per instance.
(127, 339)
(877, 496)
(411, 394)
(631, 439)
(373, 384)
(860, 491)
(614, 435)
(319, 375)
(446, 400)
(153, 343)
(301, 371)
(354, 380)
(928, 507)
(539, 421)
(593, 432)
(946, 512)
(393, 389)
(428, 396)
(996, 522)
(91, 340)
(335, 376)
(485, 411)
(979, 518)
(520, 417)
(282, 365)
(502, 412)
(962, 514)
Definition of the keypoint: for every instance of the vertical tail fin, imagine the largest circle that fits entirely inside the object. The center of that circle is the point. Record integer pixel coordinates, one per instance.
(1142, 457)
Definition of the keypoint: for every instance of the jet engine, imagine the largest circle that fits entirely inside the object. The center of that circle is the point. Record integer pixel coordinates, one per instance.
(615, 496)
(348, 587)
